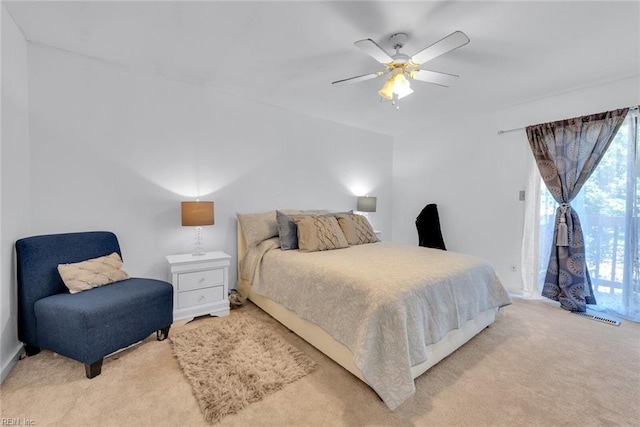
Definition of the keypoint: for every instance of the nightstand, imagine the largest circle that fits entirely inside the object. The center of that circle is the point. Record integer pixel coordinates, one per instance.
(200, 284)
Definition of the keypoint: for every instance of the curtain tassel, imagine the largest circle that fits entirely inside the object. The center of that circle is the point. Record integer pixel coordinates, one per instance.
(562, 238)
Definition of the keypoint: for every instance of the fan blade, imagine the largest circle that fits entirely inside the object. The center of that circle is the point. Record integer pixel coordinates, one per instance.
(447, 44)
(358, 78)
(441, 79)
(374, 50)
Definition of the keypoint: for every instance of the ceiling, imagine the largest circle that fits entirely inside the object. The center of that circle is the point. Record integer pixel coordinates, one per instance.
(287, 53)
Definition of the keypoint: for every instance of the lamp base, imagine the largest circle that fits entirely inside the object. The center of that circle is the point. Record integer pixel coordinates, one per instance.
(199, 250)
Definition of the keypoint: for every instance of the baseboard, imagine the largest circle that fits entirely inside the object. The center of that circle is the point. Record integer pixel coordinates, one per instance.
(12, 362)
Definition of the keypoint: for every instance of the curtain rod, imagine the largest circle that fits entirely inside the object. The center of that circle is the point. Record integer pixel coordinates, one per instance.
(500, 132)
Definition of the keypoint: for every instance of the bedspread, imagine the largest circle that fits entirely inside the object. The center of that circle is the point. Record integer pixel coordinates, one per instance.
(386, 302)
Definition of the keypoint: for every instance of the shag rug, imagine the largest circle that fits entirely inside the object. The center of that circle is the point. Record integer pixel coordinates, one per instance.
(235, 360)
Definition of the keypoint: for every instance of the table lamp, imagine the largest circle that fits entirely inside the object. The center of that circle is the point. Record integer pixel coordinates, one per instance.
(196, 214)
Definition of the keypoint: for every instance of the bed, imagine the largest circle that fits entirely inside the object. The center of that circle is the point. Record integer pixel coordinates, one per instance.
(385, 312)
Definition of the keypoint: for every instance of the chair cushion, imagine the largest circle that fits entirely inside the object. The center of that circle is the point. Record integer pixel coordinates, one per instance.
(89, 325)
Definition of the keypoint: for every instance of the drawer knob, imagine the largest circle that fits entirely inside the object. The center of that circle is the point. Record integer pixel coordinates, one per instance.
(201, 280)
(201, 298)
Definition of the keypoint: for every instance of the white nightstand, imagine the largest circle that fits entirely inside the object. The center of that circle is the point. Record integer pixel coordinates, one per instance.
(200, 284)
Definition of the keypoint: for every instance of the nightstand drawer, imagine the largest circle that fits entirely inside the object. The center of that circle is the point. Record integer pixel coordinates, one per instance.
(200, 279)
(200, 296)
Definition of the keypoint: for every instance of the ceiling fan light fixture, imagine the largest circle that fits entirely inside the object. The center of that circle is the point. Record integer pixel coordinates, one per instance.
(399, 79)
(397, 85)
(387, 90)
(401, 86)
(403, 67)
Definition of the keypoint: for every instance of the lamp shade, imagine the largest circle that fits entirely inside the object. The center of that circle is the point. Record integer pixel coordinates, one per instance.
(401, 86)
(387, 90)
(197, 213)
(366, 204)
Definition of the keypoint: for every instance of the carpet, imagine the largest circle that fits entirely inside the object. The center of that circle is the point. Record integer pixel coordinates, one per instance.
(234, 361)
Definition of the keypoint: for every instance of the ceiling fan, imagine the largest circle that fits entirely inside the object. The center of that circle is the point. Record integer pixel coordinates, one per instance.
(400, 66)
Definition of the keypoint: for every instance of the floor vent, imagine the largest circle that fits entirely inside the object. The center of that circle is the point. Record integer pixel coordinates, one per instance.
(600, 317)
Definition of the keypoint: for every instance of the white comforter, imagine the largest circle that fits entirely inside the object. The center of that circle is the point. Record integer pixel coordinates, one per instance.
(386, 302)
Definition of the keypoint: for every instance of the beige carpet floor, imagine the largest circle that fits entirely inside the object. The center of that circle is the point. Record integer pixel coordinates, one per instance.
(538, 365)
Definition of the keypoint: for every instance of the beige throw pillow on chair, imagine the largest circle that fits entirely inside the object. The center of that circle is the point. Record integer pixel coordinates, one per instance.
(92, 273)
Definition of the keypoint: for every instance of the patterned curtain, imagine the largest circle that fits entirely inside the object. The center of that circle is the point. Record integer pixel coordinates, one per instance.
(567, 152)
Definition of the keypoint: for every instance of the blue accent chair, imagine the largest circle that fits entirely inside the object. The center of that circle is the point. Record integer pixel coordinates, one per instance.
(89, 325)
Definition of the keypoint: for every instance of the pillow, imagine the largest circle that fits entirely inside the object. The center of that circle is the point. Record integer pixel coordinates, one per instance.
(287, 229)
(356, 229)
(258, 227)
(319, 233)
(92, 273)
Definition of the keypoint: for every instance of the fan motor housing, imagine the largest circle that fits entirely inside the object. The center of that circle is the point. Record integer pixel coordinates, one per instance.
(397, 41)
(401, 58)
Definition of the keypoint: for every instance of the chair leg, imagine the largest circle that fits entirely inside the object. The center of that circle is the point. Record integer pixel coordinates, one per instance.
(163, 333)
(31, 350)
(93, 369)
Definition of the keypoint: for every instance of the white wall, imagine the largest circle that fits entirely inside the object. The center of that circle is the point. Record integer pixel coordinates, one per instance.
(15, 208)
(474, 174)
(474, 178)
(118, 150)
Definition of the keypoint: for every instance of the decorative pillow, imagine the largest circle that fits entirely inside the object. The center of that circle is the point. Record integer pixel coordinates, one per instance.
(288, 230)
(258, 227)
(319, 233)
(92, 273)
(356, 229)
